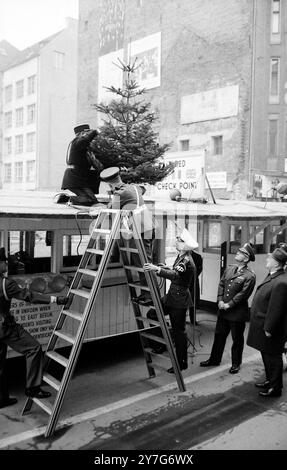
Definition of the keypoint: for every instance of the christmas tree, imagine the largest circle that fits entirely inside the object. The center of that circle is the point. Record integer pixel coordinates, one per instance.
(127, 137)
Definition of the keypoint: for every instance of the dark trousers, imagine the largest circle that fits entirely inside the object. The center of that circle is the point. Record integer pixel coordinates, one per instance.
(21, 341)
(273, 365)
(178, 320)
(85, 197)
(222, 330)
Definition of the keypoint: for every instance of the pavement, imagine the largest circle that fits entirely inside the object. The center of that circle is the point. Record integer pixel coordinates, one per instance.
(112, 404)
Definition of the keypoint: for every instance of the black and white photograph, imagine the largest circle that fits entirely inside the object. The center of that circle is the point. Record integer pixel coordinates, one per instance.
(143, 230)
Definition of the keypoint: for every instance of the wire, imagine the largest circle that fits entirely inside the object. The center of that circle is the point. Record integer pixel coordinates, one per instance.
(79, 228)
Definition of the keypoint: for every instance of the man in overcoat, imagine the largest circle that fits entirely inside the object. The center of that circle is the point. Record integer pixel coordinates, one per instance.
(234, 290)
(268, 323)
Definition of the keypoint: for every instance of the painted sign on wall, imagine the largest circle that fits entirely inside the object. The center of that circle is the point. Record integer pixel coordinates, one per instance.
(212, 104)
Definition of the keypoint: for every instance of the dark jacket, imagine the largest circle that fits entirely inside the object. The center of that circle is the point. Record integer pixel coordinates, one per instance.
(197, 259)
(77, 151)
(235, 288)
(81, 175)
(9, 289)
(269, 313)
(181, 276)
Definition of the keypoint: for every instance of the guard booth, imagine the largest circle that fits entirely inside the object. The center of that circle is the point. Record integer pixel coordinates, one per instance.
(55, 236)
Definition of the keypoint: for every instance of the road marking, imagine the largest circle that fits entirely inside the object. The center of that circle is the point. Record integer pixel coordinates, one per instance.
(15, 439)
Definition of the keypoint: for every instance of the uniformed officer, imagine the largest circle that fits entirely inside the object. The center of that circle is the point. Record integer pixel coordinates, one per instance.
(13, 334)
(235, 287)
(178, 299)
(129, 197)
(268, 323)
(82, 173)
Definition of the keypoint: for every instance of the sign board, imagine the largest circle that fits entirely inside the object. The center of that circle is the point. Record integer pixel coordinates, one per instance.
(212, 104)
(187, 177)
(147, 53)
(217, 179)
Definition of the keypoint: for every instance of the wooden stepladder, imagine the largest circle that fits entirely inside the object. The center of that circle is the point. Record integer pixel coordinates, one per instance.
(107, 231)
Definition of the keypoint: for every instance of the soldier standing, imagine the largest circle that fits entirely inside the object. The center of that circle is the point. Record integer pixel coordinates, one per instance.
(235, 287)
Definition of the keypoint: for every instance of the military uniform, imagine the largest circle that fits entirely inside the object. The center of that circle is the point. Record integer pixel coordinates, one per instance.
(178, 300)
(80, 177)
(14, 335)
(235, 287)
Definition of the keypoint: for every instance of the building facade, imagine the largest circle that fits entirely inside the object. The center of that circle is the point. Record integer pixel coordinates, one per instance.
(39, 111)
(7, 54)
(214, 70)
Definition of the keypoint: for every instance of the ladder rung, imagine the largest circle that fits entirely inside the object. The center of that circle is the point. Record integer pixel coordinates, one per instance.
(153, 337)
(139, 286)
(148, 320)
(130, 250)
(102, 230)
(52, 381)
(44, 404)
(72, 314)
(80, 293)
(95, 251)
(134, 268)
(58, 358)
(89, 272)
(66, 336)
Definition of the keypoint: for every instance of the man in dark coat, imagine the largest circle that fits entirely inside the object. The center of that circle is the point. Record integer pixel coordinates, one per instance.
(268, 323)
(82, 174)
(14, 335)
(178, 298)
(235, 287)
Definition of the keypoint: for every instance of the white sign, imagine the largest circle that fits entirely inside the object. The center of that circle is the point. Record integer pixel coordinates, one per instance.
(187, 177)
(216, 179)
(147, 51)
(208, 105)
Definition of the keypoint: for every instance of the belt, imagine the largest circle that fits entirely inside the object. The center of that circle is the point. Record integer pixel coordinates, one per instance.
(72, 166)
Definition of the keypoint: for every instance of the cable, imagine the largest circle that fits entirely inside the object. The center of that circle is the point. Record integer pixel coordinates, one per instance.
(79, 229)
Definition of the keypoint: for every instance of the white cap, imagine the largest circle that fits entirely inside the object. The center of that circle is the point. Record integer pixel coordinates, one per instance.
(191, 243)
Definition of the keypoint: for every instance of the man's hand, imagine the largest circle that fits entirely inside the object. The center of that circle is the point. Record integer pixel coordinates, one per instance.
(268, 334)
(221, 305)
(226, 306)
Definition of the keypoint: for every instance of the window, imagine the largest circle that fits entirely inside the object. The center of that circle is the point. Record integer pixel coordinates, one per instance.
(184, 145)
(31, 113)
(19, 117)
(19, 144)
(275, 21)
(7, 173)
(212, 237)
(235, 233)
(31, 84)
(59, 60)
(273, 138)
(8, 93)
(30, 142)
(217, 145)
(30, 171)
(20, 89)
(8, 120)
(274, 80)
(18, 172)
(8, 146)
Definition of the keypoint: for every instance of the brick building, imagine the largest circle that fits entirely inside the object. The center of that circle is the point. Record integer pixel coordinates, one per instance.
(200, 63)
